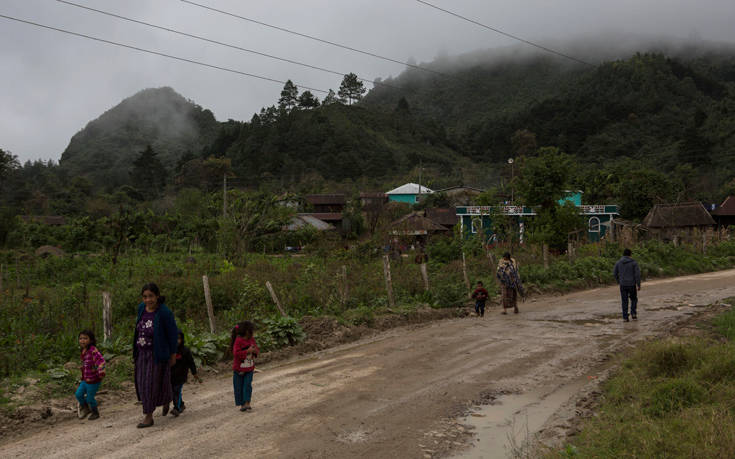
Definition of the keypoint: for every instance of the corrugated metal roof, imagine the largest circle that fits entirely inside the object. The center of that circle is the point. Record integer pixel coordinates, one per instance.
(410, 188)
(301, 221)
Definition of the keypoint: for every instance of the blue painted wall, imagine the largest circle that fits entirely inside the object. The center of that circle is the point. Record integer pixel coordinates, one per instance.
(409, 198)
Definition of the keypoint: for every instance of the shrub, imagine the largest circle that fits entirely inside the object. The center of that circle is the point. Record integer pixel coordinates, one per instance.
(674, 395)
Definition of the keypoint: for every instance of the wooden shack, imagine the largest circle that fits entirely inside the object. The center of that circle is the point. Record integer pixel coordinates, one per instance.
(685, 222)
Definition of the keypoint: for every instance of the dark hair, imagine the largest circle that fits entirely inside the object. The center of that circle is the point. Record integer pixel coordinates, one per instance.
(506, 255)
(90, 335)
(627, 253)
(153, 288)
(245, 328)
(480, 282)
(181, 335)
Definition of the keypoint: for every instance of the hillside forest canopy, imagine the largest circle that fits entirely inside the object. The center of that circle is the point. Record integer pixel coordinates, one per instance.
(634, 132)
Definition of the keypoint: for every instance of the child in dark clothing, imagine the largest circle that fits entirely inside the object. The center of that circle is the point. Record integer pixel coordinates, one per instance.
(180, 372)
(480, 296)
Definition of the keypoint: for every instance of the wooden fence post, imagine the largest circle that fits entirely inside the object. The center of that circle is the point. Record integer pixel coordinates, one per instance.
(388, 282)
(208, 299)
(425, 276)
(345, 286)
(464, 274)
(106, 315)
(275, 298)
(570, 249)
(545, 249)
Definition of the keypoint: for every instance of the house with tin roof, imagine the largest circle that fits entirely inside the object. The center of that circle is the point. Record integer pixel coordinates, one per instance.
(409, 193)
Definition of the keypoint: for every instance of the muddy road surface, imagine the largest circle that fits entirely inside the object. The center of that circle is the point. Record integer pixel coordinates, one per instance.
(405, 393)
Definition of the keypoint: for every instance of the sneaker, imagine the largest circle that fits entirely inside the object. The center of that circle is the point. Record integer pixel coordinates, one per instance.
(83, 411)
(243, 408)
(635, 317)
(95, 414)
(625, 319)
(175, 413)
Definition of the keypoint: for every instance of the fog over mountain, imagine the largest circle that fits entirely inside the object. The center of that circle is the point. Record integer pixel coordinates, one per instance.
(55, 84)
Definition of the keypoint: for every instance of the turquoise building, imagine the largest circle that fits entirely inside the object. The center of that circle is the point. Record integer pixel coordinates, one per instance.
(477, 219)
(410, 193)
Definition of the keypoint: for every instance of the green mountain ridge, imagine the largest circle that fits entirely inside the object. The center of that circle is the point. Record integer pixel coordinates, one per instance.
(160, 117)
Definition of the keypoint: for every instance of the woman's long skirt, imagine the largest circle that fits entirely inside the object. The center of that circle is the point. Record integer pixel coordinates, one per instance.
(152, 381)
(509, 297)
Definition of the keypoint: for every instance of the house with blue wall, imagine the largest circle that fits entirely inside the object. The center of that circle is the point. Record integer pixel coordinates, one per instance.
(477, 219)
(410, 193)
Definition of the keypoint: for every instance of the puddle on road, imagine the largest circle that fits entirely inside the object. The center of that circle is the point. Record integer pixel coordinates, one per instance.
(514, 419)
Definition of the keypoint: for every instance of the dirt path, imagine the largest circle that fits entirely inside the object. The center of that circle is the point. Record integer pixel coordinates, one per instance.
(401, 394)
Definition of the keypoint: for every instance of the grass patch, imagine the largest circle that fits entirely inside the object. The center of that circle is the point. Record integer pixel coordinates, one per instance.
(673, 398)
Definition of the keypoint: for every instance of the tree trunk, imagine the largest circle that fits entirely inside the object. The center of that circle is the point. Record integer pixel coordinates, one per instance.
(425, 276)
(464, 274)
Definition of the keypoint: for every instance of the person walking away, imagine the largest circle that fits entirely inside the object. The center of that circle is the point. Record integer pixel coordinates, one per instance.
(154, 352)
(628, 275)
(180, 374)
(93, 370)
(480, 295)
(510, 282)
(244, 352)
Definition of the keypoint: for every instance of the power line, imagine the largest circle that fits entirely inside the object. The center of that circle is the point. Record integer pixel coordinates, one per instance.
(216, 42)
(514, 37)
(157, 53)
(320, 40)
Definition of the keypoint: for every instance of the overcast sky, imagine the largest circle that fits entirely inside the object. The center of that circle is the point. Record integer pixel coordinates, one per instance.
(52, 84)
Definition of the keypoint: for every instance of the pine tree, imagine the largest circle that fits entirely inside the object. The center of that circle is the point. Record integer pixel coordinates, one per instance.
(330, 98)
(307, 100)
(148, 173)
(351, 89)
(289, 96)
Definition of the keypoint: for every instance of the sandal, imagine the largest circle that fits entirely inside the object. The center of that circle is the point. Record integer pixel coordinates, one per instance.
(143, 426)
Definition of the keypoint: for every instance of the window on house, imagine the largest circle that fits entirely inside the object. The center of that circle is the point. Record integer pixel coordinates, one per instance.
(476, 225)
(594, 225)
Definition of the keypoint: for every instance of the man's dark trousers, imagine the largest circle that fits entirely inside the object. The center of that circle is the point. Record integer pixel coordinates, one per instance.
(631, 292)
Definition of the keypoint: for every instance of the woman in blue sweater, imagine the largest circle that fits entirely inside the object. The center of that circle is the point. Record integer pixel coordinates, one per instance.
(154, 351)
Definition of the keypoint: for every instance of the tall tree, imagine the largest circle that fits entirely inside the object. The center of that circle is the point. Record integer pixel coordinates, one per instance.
(289, 96)
(330, 98)
(308, 101)
(148, 173)
(351, 89)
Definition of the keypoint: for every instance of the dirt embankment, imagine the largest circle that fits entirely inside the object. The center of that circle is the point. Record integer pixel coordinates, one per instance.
(403, 392)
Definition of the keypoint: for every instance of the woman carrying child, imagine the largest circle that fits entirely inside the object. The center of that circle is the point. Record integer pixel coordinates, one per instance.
(244, 352)
(93, 370)
(154, 350)
(510, 282)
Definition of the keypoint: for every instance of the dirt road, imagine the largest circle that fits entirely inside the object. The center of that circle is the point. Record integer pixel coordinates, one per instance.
(403, 393)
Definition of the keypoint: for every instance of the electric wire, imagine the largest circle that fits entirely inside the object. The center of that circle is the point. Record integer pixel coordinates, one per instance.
(220, 43)
(494, 29)
(320, 40)
(157, 53)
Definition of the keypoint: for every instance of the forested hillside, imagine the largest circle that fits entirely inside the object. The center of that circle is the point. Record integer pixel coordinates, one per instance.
(105, 149)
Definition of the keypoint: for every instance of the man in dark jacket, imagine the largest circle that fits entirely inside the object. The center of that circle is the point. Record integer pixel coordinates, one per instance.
(628, 276)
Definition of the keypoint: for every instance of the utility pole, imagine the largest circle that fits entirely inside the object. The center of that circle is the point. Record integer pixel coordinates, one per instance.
(511, 161)
(224, 196)
(421, 169)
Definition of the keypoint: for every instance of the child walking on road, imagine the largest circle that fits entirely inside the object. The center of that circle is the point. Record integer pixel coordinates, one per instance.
(244, 352)
(180, 373)
(480, 296)
(93, 370)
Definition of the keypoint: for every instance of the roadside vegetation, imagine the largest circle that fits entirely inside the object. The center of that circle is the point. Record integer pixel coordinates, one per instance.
(672, 398)
(47, 301)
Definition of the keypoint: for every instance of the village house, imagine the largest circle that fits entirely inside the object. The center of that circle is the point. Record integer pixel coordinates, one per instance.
(460, 195)
(679, 222)
(326, 207)
(724, 214)
(478, 219)
(410, 193)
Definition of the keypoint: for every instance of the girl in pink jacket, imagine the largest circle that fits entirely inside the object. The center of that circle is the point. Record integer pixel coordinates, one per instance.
(244, 352)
